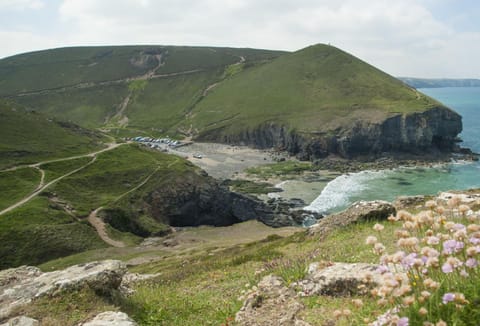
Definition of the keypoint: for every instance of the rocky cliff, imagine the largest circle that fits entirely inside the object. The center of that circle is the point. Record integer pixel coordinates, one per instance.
(195, 198)
(417, 133)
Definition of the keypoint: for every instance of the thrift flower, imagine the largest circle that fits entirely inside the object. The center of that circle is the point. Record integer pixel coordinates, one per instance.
(378, 227)
(402, 321)
(471, 262)
(448, 297)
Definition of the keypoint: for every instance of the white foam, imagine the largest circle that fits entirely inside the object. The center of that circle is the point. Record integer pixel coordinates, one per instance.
(338, 191)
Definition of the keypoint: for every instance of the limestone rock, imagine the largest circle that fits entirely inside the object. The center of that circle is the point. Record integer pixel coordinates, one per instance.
(340, 279)
(464, 198)
(270, 304)
(102, 276)
(129, 279)
(111, 318)
(359, 211)
(21, 321)
(404, 202)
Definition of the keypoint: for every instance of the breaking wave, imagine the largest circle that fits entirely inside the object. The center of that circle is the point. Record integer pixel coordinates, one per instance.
(337, 193)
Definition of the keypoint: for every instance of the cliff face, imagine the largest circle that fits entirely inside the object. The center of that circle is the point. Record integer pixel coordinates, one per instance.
(433, 130)
(201, 200)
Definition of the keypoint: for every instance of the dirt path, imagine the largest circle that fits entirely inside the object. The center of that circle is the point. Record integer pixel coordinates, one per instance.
(37, 165)
(43, 186)
(99, 225)
(42, 178)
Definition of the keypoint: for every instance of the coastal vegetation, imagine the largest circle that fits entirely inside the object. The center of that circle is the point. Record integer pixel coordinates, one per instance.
(74, 188)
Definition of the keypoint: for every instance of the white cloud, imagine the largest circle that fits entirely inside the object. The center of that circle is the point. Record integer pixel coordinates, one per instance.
(21, 4)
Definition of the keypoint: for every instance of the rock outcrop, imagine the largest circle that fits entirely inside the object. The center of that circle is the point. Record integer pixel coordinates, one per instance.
(21, 321)
(111, 318)
(357, 212)
(270, 304)
(31, 283)
(433, 130)
(340, 279)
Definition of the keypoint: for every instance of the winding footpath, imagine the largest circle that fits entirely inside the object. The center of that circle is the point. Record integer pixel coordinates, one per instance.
(99, 225)
(42, 186)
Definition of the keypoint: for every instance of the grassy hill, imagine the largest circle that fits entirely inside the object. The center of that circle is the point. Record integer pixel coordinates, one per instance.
(319, 99)
(29, 137)
(317, 89)
(54, 223)
(89, 85)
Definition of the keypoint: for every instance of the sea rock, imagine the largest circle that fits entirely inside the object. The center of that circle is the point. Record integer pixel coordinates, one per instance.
(357, 212)
(111, 318)
(340, 279)
(270, 303)
(21, 321)
(101, 276)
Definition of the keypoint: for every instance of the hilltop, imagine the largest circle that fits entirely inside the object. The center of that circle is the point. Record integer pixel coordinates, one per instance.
(313, 102)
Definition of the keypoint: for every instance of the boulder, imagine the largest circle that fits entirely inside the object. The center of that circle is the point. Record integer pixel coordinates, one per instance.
(404, 202)
(340, 279)
(101, 276)
(111, 318)
(358, 212)
(270, 304)
(21, 321)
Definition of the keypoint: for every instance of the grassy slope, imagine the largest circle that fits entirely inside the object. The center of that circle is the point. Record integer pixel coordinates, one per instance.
(159, 107)
(37, 232)
(314, 89)
(28, 137)
(41, 230)
(202, 285)
(14, 185)
(67, 66)
(113, 174)
(87, 107)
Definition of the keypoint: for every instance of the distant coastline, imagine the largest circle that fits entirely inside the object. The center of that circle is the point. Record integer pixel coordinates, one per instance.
(440, 82)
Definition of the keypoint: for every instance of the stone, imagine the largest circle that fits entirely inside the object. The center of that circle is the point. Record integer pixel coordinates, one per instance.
(340, 279)
(464, 198)
(101, 276)
(404, 202)
(270, 303)
(129, 279)
(21, 321)
(111, 318)
(357, 212)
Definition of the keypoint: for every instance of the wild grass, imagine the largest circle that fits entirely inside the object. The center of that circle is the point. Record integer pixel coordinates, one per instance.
(14, 185)
(55, 170)
(316, 89)
(29, 137)
(37, 232)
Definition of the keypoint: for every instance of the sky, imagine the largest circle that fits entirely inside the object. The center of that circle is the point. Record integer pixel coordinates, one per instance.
(415, 38)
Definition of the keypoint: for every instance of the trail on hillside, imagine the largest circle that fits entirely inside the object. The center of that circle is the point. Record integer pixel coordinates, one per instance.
(110, 146)
(43, 186)
(86, 85)
(99, 225)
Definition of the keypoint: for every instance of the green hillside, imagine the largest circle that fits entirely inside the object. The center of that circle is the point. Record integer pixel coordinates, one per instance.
(316, 89)
(99, 86)
(29, 137)
(211, 92)
(54, 223)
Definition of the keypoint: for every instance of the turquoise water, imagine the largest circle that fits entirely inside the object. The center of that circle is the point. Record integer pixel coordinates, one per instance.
(389, 184)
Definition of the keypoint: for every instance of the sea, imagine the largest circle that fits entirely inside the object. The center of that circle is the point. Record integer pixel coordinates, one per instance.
(346, 189)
